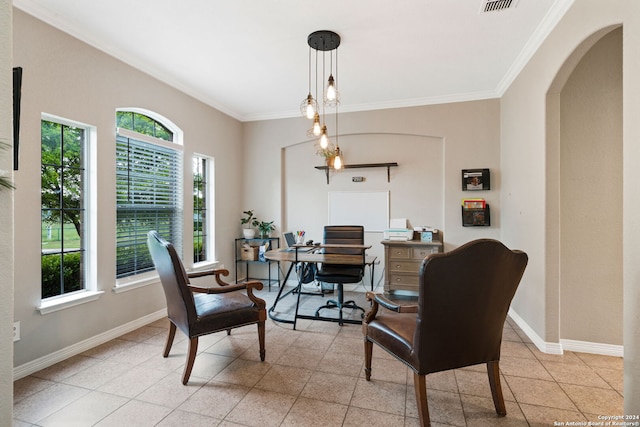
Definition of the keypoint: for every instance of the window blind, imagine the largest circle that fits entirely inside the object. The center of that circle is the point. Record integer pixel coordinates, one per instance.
(148, 197)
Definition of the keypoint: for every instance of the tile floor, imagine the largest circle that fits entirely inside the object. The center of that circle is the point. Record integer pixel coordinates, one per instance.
(312, 376)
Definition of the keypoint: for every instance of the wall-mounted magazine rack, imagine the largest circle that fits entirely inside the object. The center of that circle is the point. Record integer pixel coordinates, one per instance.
(476, 217)
(476, 179)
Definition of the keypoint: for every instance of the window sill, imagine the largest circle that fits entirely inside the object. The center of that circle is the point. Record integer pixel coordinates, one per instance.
(206, 265)
(136, 282)
(56, 304)
(146, 279)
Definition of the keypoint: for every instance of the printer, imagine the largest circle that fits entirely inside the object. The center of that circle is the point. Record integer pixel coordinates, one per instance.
(398, 234)
(398, 230)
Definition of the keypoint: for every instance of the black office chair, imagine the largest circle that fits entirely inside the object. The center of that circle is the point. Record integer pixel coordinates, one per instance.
(340, 274)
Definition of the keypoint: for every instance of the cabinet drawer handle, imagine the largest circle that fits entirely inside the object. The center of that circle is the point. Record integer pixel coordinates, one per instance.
(398, 280)
(398, 266)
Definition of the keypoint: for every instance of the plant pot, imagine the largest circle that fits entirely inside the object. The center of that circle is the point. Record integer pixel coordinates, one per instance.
(248, 233)
(329, 161)
(264, 234)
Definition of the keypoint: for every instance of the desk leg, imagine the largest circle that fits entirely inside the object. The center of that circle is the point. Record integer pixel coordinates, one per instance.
(373, 266)
(298, 289)
(280, 296)
(295, 315)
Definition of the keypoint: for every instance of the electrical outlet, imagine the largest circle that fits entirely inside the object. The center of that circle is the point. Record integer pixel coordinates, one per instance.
(16, 331)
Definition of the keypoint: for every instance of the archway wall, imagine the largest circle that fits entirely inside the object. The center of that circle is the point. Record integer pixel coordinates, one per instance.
(590, 285)
(530, 205)
(524, 159)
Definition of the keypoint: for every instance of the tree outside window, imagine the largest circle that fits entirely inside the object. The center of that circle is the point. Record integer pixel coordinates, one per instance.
(200, 211)
(62, 208)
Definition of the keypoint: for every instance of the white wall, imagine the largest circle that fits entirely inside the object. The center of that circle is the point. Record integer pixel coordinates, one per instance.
(69, 79)
(6, 223)
(529, 201)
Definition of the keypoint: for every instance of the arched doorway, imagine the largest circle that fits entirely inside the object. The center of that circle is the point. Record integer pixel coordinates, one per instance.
(584, 197)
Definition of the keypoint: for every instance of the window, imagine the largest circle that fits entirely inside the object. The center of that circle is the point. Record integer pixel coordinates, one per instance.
(201, 173)
(148, 193)
(145, 125)
(63, 211)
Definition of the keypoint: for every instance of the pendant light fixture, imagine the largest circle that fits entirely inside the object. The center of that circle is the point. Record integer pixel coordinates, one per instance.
(324, 138)
(316, 129)
(331, 95)
(337, 160)
(326, 42)
(309, 106)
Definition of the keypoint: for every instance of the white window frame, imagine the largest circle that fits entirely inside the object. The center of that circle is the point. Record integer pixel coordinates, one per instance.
(90, 291)
(209, 220)
(136, 281)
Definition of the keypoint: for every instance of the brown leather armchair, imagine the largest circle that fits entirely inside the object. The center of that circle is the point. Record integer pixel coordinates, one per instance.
(198, 311)
(463, 300)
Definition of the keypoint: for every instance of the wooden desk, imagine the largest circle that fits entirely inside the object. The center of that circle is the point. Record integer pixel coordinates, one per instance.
(314, 256)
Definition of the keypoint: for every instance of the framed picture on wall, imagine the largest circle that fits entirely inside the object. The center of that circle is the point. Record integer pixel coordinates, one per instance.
(475, 179)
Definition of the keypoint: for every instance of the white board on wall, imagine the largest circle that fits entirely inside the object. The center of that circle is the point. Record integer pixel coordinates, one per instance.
(367, 208)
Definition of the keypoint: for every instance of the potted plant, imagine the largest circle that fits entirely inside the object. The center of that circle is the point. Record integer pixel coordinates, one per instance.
(265, 228)
(328, 153)
(248, 222)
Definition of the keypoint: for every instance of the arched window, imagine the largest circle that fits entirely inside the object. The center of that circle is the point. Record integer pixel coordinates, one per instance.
(148, 187)
(145, 125)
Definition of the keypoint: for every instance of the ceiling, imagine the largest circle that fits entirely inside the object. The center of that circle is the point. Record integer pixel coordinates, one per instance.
(249, 58)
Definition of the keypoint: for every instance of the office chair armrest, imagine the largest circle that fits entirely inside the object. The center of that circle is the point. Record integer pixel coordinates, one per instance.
(251, 285)
(380, 299)
(227, 287)
(217, 272)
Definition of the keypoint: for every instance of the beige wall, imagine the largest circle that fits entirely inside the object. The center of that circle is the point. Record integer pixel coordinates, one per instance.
(431, 144)
(415, 189)
(6, 222)
(69, 79)
(530, 165)
(591, 196)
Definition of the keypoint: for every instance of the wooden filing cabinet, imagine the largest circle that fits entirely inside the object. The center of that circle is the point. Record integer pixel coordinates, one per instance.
(402, 263)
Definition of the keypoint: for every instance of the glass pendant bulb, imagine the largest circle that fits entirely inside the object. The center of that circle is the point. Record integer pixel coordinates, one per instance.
(316, 125)
(324, 138)
(337, 161)
(331, 89)
(309, 107)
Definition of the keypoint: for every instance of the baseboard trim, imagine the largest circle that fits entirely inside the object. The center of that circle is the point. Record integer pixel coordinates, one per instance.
(543, 346)
(82, 346)
(568, 345)
(593, 348)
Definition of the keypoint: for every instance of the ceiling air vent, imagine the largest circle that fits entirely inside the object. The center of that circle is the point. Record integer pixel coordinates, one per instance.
(495, 5)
